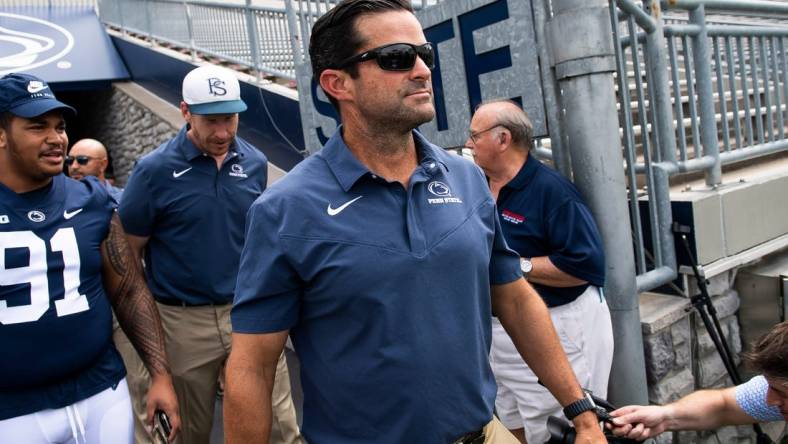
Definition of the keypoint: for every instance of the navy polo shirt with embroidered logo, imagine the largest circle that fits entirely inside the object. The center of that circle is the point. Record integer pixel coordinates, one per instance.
(543, 214)
(385, 291)
(194, 215)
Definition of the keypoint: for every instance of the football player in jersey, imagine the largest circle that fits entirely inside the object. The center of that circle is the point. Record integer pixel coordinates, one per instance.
(64, 259)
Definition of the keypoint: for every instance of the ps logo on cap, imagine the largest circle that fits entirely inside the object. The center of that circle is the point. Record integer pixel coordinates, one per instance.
(222, 95)
(216, 87)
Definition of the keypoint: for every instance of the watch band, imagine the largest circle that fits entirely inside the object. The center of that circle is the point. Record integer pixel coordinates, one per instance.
(579, 406)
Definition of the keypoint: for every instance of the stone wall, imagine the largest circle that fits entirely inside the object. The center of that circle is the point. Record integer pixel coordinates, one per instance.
(129, 128)
(681, 357)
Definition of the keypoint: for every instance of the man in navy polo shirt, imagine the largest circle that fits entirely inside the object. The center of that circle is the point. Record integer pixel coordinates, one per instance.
(184, 207)
(545, 220)
(63, 259)
(379, 255)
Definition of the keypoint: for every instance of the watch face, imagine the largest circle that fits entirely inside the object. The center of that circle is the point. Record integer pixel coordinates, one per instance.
(525, 265)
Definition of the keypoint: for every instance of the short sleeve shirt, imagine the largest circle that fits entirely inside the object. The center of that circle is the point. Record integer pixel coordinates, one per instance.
(194, 215)
(385, 290)
(751, 397)
(55, 318)
(543, 214)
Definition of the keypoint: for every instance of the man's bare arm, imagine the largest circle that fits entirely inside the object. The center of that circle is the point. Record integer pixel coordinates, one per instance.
(131, 299)
(701, 410)
(250, 373)
(525, 318)
(137, 244)
(138, 316)
(546, 273)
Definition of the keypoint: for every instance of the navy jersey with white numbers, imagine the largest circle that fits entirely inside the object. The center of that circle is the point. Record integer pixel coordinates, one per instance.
(55, 319)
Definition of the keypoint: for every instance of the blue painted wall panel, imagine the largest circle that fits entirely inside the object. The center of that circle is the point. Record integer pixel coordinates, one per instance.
(61, 44)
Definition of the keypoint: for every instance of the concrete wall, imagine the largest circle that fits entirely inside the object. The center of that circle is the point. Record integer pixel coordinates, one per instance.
(134, 122)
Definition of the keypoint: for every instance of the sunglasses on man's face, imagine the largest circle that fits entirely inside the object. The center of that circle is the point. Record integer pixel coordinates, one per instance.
(82, 160)
(396, 56)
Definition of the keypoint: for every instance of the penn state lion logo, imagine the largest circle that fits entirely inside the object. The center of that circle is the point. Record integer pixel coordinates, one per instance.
(28, 42)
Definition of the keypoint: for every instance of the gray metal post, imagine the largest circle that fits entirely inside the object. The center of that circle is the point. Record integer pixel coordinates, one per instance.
(580, 37)
(254, 42)
(708, 122)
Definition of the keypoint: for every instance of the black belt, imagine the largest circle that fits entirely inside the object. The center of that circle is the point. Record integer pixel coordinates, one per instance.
(179, 303)
(476, 437)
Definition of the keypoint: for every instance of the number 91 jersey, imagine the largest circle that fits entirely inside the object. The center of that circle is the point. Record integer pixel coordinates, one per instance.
(55, 319)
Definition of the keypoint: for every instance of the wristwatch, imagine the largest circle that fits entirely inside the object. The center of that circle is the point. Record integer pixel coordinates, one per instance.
(526, 266)
(579, 406)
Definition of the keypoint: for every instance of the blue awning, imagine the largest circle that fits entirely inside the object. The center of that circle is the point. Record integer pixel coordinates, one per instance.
(66, 46)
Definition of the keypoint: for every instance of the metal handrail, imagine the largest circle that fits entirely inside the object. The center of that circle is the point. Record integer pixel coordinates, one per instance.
(712, 92)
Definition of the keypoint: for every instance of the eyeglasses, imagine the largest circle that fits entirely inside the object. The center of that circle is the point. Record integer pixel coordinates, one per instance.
(395, 57)
(82, 160)
(475, 136)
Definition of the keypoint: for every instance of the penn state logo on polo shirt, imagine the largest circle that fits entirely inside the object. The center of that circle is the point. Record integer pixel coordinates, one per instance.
(237, 170)
(4, 219)
(442, 193)
(512, 217)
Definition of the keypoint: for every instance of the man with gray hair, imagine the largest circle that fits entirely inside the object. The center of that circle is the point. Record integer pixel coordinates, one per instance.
(544, 219)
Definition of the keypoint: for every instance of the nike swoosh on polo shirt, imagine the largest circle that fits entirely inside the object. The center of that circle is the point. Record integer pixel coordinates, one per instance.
(177, 174)
(339, 209)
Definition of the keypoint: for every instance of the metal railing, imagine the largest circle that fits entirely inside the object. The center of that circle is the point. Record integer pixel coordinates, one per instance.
(694, 94)
(15, 4)
(260, 38)
(254, 37)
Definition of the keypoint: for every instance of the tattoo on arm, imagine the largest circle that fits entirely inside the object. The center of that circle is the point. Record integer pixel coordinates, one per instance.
(132, 301)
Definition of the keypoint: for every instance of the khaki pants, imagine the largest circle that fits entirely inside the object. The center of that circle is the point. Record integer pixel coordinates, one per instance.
(198, 342)
(496, 433)
(137, 378)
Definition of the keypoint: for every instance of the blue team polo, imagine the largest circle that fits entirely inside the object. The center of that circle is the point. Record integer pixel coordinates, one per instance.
(194, 215)
(385, 290)
(543, 214)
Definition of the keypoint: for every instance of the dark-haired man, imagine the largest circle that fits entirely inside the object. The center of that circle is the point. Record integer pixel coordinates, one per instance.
(63, 260)
(378, 255)
(763, 398)
(545, 220)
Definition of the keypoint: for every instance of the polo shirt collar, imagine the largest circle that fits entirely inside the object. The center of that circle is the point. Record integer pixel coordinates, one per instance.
(348, 170)
(191, 152)
(525, 175)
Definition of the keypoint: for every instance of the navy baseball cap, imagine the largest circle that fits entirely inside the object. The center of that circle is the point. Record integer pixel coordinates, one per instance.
(28, 96)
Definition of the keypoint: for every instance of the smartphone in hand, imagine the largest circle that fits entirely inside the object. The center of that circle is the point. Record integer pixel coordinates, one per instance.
(161, 427)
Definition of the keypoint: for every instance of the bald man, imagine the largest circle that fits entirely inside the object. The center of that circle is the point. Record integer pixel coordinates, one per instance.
(88, 157)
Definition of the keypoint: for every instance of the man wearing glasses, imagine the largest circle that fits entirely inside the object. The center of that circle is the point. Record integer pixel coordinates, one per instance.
(378, 255)
(88, 157)
(544, 219)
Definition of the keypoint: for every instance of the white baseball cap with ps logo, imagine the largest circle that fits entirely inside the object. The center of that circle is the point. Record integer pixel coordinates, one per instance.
(212, 89)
